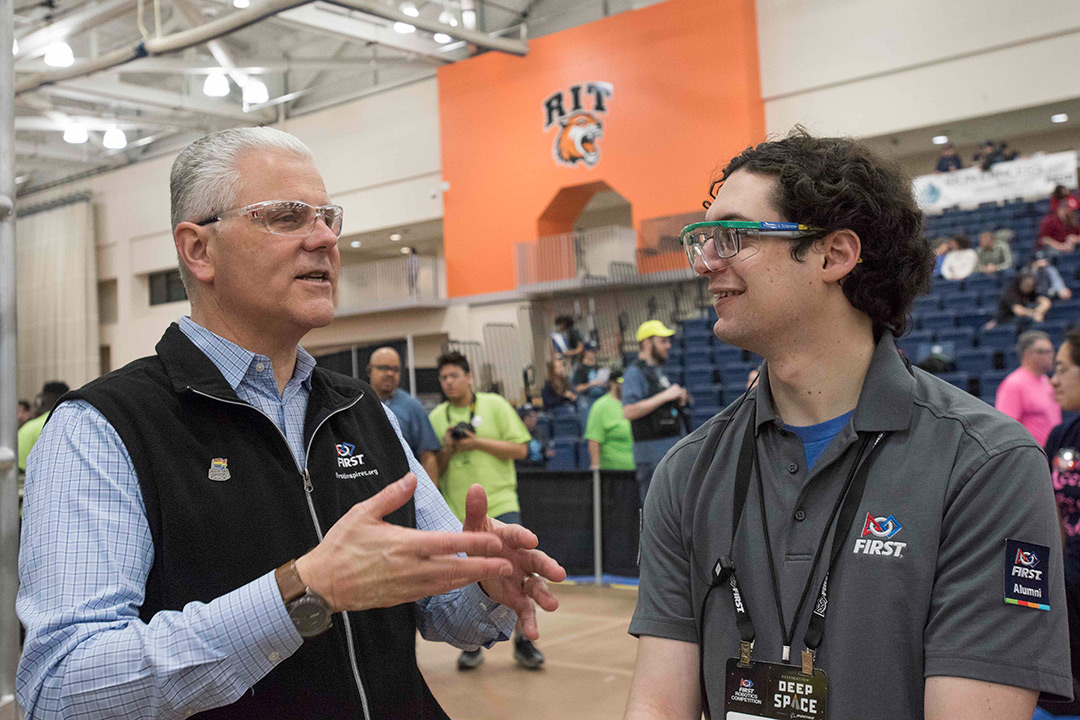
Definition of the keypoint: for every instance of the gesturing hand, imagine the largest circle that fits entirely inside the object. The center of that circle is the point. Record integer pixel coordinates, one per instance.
(365, 562)
(531, 566)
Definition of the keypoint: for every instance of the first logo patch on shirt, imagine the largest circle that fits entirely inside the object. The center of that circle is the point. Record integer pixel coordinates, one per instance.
(1027, 574)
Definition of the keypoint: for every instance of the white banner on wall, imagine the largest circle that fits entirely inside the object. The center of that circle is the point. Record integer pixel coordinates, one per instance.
(1026, 177)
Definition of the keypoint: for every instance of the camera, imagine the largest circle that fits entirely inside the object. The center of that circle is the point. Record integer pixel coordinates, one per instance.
(461, 431)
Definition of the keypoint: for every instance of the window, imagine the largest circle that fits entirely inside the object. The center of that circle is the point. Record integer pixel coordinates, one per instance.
(166, 287)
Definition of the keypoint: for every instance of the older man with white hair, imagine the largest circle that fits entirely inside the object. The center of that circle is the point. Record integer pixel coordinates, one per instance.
(165, 494)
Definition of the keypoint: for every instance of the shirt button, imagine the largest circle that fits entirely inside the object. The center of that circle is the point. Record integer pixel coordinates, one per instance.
(274, 656)
(793, 468)
(260, 367)
(800, 514)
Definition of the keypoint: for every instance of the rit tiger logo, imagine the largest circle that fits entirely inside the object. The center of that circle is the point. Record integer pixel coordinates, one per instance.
(579, 127)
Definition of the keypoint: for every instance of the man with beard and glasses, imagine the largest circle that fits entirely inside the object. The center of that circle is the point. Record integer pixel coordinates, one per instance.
(384, 370)
(857, 538)
(652, 403)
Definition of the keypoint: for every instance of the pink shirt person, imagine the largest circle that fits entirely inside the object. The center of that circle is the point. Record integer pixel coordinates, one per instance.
(1026, 394)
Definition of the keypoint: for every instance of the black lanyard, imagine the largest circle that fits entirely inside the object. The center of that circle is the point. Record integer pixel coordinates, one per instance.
(846, 505)
(472, 410)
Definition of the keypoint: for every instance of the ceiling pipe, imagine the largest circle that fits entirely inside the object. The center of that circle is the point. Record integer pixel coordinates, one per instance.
(84, 19)
(161, 46)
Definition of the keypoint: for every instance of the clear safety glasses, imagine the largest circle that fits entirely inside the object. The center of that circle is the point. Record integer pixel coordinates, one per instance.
(717, 243)
(286, 217)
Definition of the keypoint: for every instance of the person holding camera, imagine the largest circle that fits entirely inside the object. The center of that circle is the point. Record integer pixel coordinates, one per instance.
(482, 436)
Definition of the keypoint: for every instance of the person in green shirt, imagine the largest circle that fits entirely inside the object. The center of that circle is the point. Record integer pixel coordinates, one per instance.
(611, 444)
(31, 429)
(482, 436)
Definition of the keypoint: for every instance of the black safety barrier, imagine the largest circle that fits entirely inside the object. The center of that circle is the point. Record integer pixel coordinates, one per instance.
(558, 507)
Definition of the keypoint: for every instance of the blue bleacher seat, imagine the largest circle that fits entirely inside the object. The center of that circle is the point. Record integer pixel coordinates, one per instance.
(565, 457)
(694, 356)
(1009, 359)
(961, 380)
(699, 414)
(698, 374)
(975, 319)
(1065, 310)
(697, 342)
(1055, 329)
(732, 394)
(938, 320)
(582, 454)
(724, 354)
(962, 337)
(1003, 336)
(563, 411)
(706, 393)
(699, 326)
(974, 361)
(919, 336)
(1068, 265)
(989, 381)
(676, 357)
(931, 303)
(568, 426)
(967, 300)
(674, 374)
(735, 374)
(981, 284)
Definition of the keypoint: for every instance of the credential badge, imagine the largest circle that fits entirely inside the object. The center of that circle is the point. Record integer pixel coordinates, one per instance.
(219, 470)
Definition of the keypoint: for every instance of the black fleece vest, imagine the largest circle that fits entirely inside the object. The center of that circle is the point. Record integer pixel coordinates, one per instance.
(179, 419)
(665, 420)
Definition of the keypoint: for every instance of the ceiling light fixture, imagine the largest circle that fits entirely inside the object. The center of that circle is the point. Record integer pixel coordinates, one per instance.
(75, 134)
(395, 237)
(940, 139)
(241, 4)
(114, 139)
(406, 250)
(216, 85)
(1059, 118)
(448, 18)
(255, 92)
(442, 38)
(410, 9)
(354, 244)
(15, 46)
(404, 28)
(59, 55)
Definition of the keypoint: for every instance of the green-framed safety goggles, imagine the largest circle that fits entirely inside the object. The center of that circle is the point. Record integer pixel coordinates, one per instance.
(717, 242)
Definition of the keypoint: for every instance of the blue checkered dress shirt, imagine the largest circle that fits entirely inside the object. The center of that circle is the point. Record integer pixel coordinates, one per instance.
(86, 553)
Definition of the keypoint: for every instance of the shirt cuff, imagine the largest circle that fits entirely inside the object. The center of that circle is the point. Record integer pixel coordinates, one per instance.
(256, 628)
(494, 620)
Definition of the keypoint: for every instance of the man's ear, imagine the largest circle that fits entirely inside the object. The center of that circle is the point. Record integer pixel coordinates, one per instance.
(192, 247)
(841, 252)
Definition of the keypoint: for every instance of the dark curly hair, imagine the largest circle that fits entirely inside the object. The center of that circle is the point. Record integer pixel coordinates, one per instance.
(452, 357)
(837, 184)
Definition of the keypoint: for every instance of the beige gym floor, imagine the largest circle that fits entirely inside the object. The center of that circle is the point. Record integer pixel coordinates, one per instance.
(590, 660)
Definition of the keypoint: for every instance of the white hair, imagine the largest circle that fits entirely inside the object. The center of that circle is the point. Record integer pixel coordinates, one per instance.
(205, 175)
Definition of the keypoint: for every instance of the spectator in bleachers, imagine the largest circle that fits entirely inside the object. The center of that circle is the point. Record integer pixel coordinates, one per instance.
(1059, 231)
(1063, 451)
(1048, 280)
(1026, 394)
(24, 413)
(992, 153)
(566, 339)
(941, 248)
(949, 160)
(540, 446)
(556, 391)
(1061, 193)
(652, 403)
(994, 252)
(961, 260)
(611, 442)
(589, 381)
(1021, 302)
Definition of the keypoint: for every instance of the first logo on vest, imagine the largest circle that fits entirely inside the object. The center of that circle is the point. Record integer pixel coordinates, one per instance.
(347, 457)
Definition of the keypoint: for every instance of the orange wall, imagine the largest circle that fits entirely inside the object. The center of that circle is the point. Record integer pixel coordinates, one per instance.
(687, 97)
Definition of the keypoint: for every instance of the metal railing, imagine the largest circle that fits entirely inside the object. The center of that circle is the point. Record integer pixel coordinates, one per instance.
(573, 260)
(390, 284)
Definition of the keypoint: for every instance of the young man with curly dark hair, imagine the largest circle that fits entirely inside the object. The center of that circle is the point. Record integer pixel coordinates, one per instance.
(856, 538)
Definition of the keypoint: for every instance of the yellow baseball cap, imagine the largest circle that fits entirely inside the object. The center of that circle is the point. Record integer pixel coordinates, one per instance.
(653, 328)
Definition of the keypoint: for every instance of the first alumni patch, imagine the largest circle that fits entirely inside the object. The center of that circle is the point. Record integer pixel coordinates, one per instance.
(1027, 574)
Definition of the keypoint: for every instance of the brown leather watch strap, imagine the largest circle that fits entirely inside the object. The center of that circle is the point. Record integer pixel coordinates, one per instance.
(288, 581)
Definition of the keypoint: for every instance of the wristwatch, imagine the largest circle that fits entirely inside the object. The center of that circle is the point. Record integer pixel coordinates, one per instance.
(308, 610)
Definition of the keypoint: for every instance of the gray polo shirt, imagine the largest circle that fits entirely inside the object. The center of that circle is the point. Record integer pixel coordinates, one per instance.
(955, 475)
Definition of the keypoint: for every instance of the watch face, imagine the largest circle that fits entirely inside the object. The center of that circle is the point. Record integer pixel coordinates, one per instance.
(309, 614)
